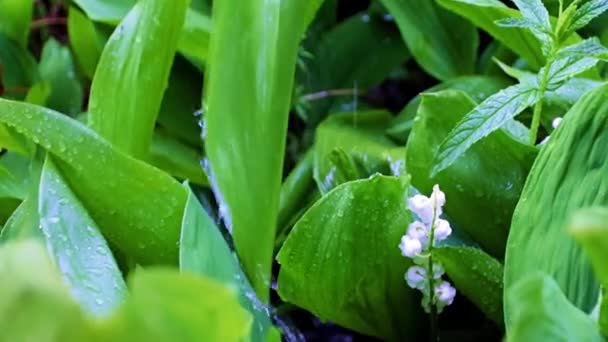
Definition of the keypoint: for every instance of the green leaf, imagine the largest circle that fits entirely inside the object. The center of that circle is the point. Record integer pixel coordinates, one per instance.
(444, 44)
(78, 248)
(587, 12)
(204, 251)
(19, 68)
(23, 223)
(568, 174)
(295, 189)
(484, 119)
(194, 39)
(127, 120)
(57, 69)
(85, 41)
(107, 11)
(177, 159)
(563, 69)
(476, 87)
(255, 59)
(379, 50)
(137, 207)
(591, 47)
(15, 19)
(541, 312)
(34, 303)
(341, 261)
(535, 11)
(476, 275)
(356, 141)
(14, 176)
(165, 305)
(502, 160)
(484, 14)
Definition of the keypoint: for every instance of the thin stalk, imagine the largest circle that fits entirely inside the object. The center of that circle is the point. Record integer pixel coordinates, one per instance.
(331, 93)
(538, 107)
(434, 326)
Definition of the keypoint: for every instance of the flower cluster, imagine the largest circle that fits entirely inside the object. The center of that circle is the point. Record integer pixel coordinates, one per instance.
(418, 244)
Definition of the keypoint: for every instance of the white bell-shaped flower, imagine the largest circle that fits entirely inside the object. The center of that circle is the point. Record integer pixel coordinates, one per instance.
(442, 230)
(437, 197)
(422, 207)
(410, 247)
(416, 277)
(444, 293)
(556, 122)
(419, 231)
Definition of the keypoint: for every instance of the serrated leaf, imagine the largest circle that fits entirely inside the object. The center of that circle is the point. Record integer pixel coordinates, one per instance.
(127, 121)
(516, 22)
(565, 68)
(535, 11)
(588, 12)
(486, 118)
(78, 248)
(541, 312)
(591, 47)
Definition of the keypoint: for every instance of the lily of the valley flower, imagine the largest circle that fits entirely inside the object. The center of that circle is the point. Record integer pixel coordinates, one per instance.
(418, 243)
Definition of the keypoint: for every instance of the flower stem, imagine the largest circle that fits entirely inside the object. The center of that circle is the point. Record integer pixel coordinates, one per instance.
(538, 107)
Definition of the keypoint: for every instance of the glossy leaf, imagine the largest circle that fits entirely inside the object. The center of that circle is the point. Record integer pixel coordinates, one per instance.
(36, 306)
(19, 68)
(476, 275)
(14, 176)
(541, 312)
(358, 138)
(204, 251)
(481, 121)
(591, 47)
(166, 305)
(295, 188)
(85, 41)
(443, 44)
(57, 69)
(107, 11)
(78, 248)
(15, 19)
(194, 39)
(567, 175)
(341, 261)
(23, 223)
(484, 14)
(245, 139)
(127, 120)
(137, 207)
(568, 67)
(503, 162)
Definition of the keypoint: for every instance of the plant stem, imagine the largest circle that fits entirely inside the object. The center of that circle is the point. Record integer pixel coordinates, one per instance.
(331, 93)
(538, 107)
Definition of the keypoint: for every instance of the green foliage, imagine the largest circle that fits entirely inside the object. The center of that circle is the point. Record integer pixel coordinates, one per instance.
(558, 185)
(85, 41)
(342, 263)
(255, 59)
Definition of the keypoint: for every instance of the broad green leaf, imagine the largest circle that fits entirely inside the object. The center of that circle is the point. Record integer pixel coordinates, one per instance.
(57, 69)
(481, 121)
(587, 12)
(137, 207)
(568, 174)
(359, 142)
(245, 140)
(177, 159)
(14, 176)
(85, 41)
(19, 68)
(541, 312)
(476, 275)
(487, 180)
(38, 94)
(34, 303)
(15, 19)
(379, 50)
(341, 261)
(443, 44)
(78, 248)
(127, 120)
(478, 88)
(484, 14)
(203, 250)
(165, 305)
(23, 222)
